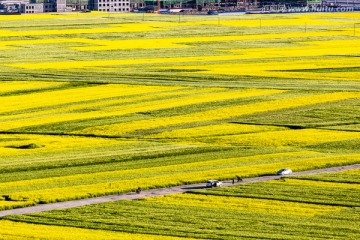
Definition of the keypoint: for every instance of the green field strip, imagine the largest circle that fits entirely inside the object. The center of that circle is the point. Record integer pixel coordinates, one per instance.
(334, 194)
(166, 98)
(136, 158)
(349, 176)
(163, 219)
(222, 113)
(62, 151)
(248, 204)
(97, 103)
(327, 116)
(22, 87)
(118, 111)
(86, 93)
(137, 103)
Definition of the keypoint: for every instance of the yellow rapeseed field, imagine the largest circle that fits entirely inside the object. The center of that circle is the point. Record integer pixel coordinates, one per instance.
(319, 49)
(334, 185)
(19, 231)
(118, 99)
(287, 68)
(222, 113)
(246, 204)
(213, 130)
(25, 86)
(285, 138)
(68, 96)
(10, 145)
(77, 96)
(182, 95)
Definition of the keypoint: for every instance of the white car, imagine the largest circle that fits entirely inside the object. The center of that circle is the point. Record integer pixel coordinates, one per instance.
(213, 183)
(284, 171)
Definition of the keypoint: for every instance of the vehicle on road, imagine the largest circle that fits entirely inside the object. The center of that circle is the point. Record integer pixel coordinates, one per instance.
(212, 12)
(284, 171)
(213, 183)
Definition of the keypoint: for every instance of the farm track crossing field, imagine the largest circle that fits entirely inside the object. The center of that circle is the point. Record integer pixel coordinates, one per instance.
(305, 209)
(162, 100)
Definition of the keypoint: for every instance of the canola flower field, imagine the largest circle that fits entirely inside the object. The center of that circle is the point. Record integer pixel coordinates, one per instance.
(157, 100)
(315, 207)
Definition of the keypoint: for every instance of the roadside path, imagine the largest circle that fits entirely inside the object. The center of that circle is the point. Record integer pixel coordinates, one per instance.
(158, 192)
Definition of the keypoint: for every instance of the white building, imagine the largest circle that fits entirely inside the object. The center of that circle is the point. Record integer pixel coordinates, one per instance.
(112, 5)
(33, 6)
(43, 6)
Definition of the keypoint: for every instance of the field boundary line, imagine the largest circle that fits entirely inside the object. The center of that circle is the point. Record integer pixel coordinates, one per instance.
(159, 192)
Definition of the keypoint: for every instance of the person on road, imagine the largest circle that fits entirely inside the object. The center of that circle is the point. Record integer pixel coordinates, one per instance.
(138, 190)
(239, 179)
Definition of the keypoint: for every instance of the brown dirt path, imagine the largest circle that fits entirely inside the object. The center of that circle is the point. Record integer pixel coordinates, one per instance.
(157, 192)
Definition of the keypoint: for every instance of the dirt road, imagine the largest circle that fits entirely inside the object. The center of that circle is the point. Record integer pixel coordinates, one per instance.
(156, 192)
